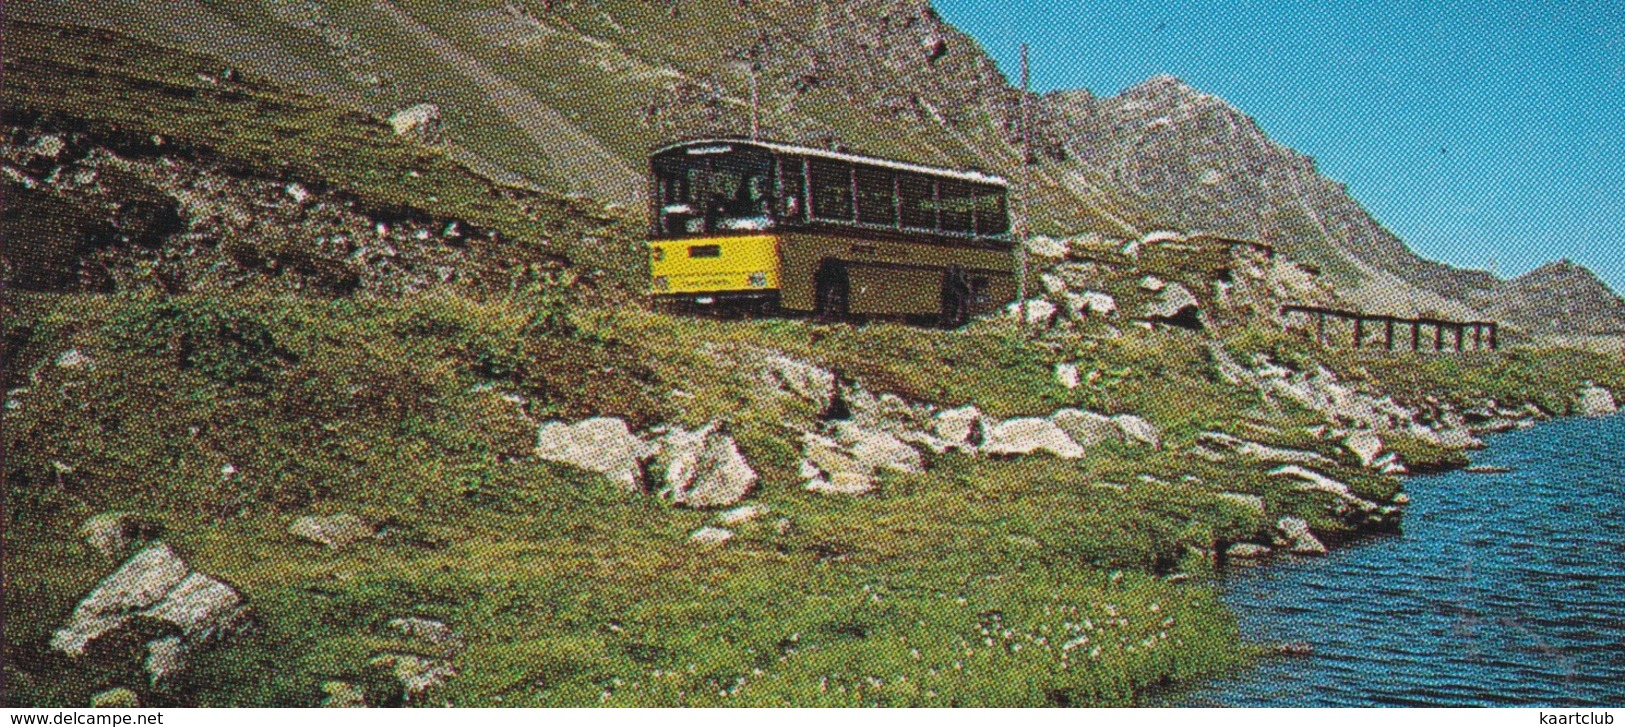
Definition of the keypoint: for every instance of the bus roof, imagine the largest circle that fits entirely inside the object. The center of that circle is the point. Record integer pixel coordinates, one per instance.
(966, 175)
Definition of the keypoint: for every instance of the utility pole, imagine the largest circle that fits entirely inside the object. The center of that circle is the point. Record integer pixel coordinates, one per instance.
(750, 67)
(1026, 188)
(755, 114)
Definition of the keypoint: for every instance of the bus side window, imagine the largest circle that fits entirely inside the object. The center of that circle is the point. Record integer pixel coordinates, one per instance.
(918, 201)
(955, 202)
(991, 216)
(877, 201)
(831, 189)
(793, 189)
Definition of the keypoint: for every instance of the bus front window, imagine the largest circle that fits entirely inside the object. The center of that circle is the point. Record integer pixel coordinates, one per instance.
(704, 195)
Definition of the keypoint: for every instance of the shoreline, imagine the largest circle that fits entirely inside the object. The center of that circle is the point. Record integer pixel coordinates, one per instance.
(1263, 592)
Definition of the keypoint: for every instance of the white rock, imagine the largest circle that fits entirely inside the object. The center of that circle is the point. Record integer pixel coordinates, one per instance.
(154, 584)
(959, 426)
(166, 657)
(1045, 246)
(703, 468)
(1028, 435)
(421, 120)
(1136, 429)
(878, 450)
(1039, 311)
(115, 534)
(1161, 236)
(814, 384)
(48, 145)
(73, 358)
(1053, 284)
(1296, 535)
(1170, 302)
(742, 514)
(710, 535)
(1152, 283)
(1594, 401)
(842, 483)
(1087, 428)
(1066, 374)
(141, 582)
(1246, 551)
(334, 531)
(297, 191)
(1099, 304)
(603, 444)
(1365, 445)
(1311, 480)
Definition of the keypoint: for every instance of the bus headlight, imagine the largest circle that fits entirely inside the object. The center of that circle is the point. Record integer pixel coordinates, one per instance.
(758, 280)
(661, 283)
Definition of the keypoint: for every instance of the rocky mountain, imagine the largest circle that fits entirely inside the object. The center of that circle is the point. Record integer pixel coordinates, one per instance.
(1558, 297)
(570, 96)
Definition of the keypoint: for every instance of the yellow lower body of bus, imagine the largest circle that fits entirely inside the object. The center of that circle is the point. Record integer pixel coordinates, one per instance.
(714, 266)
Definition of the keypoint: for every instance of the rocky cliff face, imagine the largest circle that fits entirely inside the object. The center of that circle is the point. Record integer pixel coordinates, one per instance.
(572, 95)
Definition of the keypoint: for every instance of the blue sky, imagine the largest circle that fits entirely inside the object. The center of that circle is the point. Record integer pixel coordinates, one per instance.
(1479, 132)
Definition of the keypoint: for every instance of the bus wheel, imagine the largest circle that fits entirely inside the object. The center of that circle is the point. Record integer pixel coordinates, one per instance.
(832, 290)
(957, 296)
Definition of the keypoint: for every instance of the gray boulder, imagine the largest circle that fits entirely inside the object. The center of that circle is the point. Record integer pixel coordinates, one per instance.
(1173, 301)
(1136, 429)
(878, 450)
(742, 514)
(1028, 435)
(703, 468)
(1086, 427)
(809, 382)
(959, 426)
(115, 535)
(1246, 551)
(334, 531)
(155, 584)
(841, 483)
(603, 444)
(1594, 401)
(711, 535)
(1295, 535)
(1365, 445)
(166, 657)
(421, 121)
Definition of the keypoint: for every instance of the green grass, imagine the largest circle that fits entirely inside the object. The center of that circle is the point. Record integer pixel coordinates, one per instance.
(565, 587)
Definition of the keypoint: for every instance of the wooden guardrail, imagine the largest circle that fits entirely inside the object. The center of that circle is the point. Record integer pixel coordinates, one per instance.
(1484, 333)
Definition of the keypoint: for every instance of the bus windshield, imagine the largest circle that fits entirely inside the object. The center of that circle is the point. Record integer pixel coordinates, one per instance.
(714, 190)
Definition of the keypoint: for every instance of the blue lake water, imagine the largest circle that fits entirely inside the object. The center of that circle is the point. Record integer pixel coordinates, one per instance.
(1504, 590)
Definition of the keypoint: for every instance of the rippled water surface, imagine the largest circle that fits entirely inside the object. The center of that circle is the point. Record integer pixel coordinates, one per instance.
(1505, 589)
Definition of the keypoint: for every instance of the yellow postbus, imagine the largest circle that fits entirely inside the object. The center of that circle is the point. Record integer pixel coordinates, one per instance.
(811, 230)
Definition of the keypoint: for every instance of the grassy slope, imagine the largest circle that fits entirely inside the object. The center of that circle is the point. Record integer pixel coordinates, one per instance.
(953, 587)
